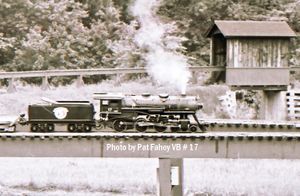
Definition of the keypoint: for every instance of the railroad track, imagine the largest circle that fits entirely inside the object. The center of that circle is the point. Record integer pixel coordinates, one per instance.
(211, 125)
(289, 136)
(228, 125)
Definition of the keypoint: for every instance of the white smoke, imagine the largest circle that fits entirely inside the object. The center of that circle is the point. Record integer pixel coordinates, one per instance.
(164, 63)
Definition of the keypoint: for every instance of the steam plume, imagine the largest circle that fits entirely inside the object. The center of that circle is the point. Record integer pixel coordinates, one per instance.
(164, 64)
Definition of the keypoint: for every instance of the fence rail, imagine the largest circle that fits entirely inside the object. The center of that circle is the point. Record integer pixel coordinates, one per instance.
(88, 72)
(72, 72)
(80, 73)
(293, 104)
(100, 71)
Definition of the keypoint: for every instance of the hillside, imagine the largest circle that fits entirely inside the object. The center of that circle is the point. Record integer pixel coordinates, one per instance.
(41, 35)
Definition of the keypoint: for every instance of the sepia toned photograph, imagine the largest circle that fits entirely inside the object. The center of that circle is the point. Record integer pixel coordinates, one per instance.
(149, 97)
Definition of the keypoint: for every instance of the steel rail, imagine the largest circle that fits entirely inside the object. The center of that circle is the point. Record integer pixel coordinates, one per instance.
(232, 125)
(116, 135)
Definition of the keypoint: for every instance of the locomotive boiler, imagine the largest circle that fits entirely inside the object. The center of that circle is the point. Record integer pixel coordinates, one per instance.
(145, 111)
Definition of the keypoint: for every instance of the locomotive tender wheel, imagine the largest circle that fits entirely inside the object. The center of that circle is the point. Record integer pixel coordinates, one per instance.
(87, 128)
(138, 127)
(50, 127)
(119, 125)
(160, 128)
(71, 127)
(34, 128)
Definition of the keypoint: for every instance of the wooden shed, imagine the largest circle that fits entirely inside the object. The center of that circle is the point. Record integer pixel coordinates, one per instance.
(255, 53)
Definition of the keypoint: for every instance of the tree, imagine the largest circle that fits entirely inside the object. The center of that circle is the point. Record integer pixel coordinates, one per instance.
(58, 37)
(194, 18)
(13, 26)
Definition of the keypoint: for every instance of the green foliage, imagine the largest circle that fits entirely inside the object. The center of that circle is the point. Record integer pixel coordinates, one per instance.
(71, 34)
(59, 39)
(65, 34)
(195, 17)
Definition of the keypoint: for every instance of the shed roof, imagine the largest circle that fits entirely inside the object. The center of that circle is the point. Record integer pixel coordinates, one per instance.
(251, 29)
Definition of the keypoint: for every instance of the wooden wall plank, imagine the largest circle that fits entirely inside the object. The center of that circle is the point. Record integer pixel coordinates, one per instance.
(274, 54)
(211, 52)
(255, 53)
(236, 53)
(240, 53)
(278, 64)
(248, 52)
(285, 53)
(269, 53)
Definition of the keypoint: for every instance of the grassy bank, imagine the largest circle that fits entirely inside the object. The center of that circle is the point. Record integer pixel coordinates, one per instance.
(85, 176)
(17, 102)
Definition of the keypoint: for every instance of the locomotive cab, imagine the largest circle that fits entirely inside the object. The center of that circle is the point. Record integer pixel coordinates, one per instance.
(111, 106)
(110, 111)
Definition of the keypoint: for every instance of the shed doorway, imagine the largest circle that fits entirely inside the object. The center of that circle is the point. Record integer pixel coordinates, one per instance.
(219, 50)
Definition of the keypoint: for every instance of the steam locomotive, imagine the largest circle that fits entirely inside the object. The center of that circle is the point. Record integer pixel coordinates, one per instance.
(119, 112)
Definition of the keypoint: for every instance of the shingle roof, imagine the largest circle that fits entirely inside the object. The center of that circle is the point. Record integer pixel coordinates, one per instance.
(252, 29)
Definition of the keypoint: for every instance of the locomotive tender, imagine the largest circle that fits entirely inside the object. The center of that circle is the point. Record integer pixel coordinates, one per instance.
(118, 111)
(76, 115)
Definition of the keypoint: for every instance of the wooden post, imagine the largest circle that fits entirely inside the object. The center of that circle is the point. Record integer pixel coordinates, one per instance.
(291, 104)
(194, 77)
(170, 177)
(118, 79)
(79, 81)
(274, 105)
(45, 83)
(177, 177)
(11, 87)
